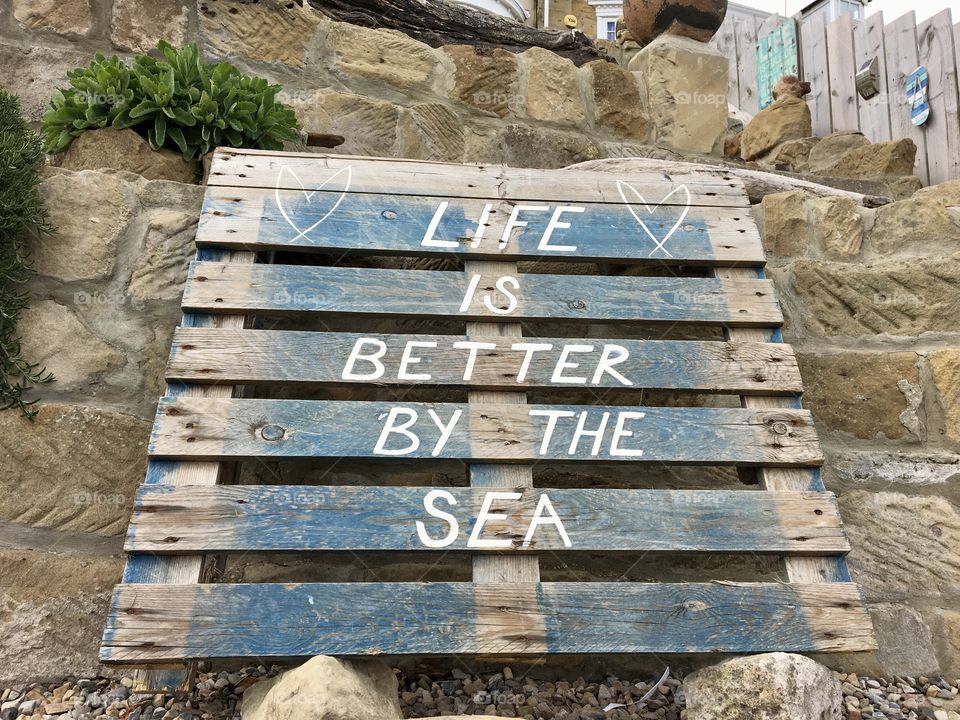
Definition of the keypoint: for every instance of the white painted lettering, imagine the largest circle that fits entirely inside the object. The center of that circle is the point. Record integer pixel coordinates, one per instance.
(556, 224)
(511, 298)
(563, 364)
(428, 240)
(552, 417)
(373, 358)
(445, 430)
(529, 349)
(408, 359)
(545, 506)
(473, 347)
(513, 222)
(481, 225)
(612, 355)
(402, 429)
(597, 434)
(428, 505)
(475, 541)
(619, 432)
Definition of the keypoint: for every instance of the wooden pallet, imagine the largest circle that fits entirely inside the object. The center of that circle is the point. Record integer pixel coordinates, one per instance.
(340, 206)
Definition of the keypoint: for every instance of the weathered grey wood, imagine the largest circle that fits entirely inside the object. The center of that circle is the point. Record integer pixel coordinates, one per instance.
(937, 54)
(726, 42)
(874, 112)
(376, 223)
(201, 355)
(155, 623)
(842, 67)
(174, 520)
(746, 34)
(900, 38)
(288, 289)
(203, 428)
(308, 171)
(813, 41)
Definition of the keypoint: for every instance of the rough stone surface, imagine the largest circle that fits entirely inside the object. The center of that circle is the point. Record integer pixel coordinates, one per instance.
(380, 55)
(32, 73)
(793, 154)
(161, 265)
(890, 297)
(65, 17)
(55, 338)
(79, 471)
(139, 26)
(825, 153)
(785, 223)
(369, 125)
(618, 104)
(946, 376)
(553, 93)
(271, 31)
(837, 226)
(928, 222)
(325, 688)
(487, 81)
(875, 161)
(774, 686)
(55, 605)
(786, 119)
(860, 393)
(527, 146)
(685, 86)
(431, 131)
(126, 150)
(85, 244)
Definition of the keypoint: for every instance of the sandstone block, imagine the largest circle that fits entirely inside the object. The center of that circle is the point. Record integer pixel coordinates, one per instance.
(139, 26)
(946, 376)
(774, 686)
(162, 261)
(926, 223)
(488, 81)
(126, 150)
(786, 119)
(32, 74)
(431, 131)
(271, 31)
(79, 470)
(618, 105)
(535, 147)
(370, 126)
(53, 607)
(328, 688)
(553, 93)
(829, 149)
(792, 153)
(786, 223)
(90, 211)
(951, 626)
(875, 161)
(55, 338)
(837, 226)
(685, 93)
(862, 394)
(380, 55)
(890, 297)
(65, 17)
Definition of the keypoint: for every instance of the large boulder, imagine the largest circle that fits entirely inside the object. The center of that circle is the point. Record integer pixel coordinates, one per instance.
(126, 150)
(786, 119)
(64, 17)
(774, 686)
(927, 223)
(879, 160)
(828, 149)
(325, 688)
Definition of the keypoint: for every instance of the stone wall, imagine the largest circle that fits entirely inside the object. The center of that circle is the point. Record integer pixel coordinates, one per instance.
(870, 296)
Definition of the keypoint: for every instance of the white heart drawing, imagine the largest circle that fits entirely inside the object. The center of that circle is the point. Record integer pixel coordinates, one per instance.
(683, 216)
(308, 195)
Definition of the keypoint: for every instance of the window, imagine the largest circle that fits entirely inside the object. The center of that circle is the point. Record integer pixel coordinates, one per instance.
(611, 30)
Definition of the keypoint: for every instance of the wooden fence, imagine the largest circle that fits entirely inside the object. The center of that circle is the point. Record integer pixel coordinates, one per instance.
(831, 53)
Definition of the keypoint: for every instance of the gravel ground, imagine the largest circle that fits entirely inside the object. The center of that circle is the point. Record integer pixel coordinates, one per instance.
(507, 694)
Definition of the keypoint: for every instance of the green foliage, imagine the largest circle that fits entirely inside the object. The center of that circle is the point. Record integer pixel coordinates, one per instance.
(22, 215)
(176, 102)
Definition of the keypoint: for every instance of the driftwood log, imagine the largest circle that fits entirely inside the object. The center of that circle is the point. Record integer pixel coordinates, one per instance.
(437, 22)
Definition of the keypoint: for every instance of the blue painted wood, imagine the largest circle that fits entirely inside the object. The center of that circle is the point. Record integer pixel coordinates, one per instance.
(190, 519)
(156, 623)
(202, 428)
(268, 357)
(283, 289)
(378, 223)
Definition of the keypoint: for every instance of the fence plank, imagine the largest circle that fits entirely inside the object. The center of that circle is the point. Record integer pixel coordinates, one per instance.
(173, 520)
(874, 113)
(286, 289)
(200, 355)
(745, 32)
(726, 42)
(201, 428)
(902, 59)
(936, 52)
(156, 623)
(841, 66)
(813, 40)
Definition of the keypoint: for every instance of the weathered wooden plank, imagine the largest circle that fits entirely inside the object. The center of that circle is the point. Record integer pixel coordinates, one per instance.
(200, 355)
(841, 72)
(900, 38)
(155, 623)
(936, 53)
(745, 31)
(725, 41)
(203, 428)
(310, 172)
(172, 520)
(868, 43)
(284, 289)
(813, 41)
(663, 228)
